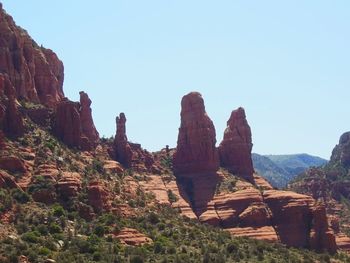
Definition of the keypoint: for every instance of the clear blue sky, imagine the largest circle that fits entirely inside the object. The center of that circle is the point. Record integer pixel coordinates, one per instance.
(286, 62)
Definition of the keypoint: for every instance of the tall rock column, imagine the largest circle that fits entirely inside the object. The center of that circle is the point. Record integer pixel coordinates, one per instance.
(90, 135)
(122, 148)
(236, 147)
(196, 153)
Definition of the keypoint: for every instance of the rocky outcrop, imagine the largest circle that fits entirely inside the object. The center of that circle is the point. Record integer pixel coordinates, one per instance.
(74, 124)
(69, 185)
(99, 196)
(132, 237)
(196, 153)
(35, 72)
(341, 152)
(236, 147)
(131, 155)
(12, 164)
(298, 221)
(7, 181)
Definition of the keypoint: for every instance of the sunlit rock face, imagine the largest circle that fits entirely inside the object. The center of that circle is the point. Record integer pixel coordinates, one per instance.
(196, 153)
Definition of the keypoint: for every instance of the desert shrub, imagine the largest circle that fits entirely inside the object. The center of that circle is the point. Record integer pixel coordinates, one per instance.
(57, 210)
(32, 237)
(20, 196)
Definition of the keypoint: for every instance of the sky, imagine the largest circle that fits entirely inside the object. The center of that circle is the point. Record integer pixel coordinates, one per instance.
(286, 62)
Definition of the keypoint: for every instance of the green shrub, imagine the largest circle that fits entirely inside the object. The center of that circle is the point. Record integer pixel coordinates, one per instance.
(20, 196)
(54, 228)
(58, 210)
(32, 237)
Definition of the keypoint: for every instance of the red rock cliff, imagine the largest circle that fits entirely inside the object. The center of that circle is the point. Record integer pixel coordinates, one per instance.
(35, 72)
(196, 152)
(236, 147)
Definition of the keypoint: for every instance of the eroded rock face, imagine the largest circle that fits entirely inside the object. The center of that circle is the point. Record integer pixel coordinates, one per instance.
(74, 124)
(11, 120)
(236, 147)
(341, 152)
(196, 152)
(68, 124)
(69, 185)
(297, 219)
(132, 237)
(7, 181)
(36, 72)
(99, 196)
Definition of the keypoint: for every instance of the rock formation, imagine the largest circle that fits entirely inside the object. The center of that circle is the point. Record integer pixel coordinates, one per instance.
(99, 196)
(341, 152)
(74, 124)
(196, 153)
(131, 155)
(90, 135)
(236, 147)
(121, 145)
(34, 71)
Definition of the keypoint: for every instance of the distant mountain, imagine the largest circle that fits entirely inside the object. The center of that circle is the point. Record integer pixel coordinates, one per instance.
(279, 170)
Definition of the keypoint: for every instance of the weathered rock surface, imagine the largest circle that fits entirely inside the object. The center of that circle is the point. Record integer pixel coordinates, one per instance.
(293, 214)
(7, 181)
(12, 164)
(266, 233)
(11, 120)
(69, 185)
(132, 237)
(99, 196)
(236, 147)
(112, 167)
(74, 124)
(34, 71)
(196, 153)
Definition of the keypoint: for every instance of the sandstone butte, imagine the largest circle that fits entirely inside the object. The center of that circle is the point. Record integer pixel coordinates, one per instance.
(33, 75)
